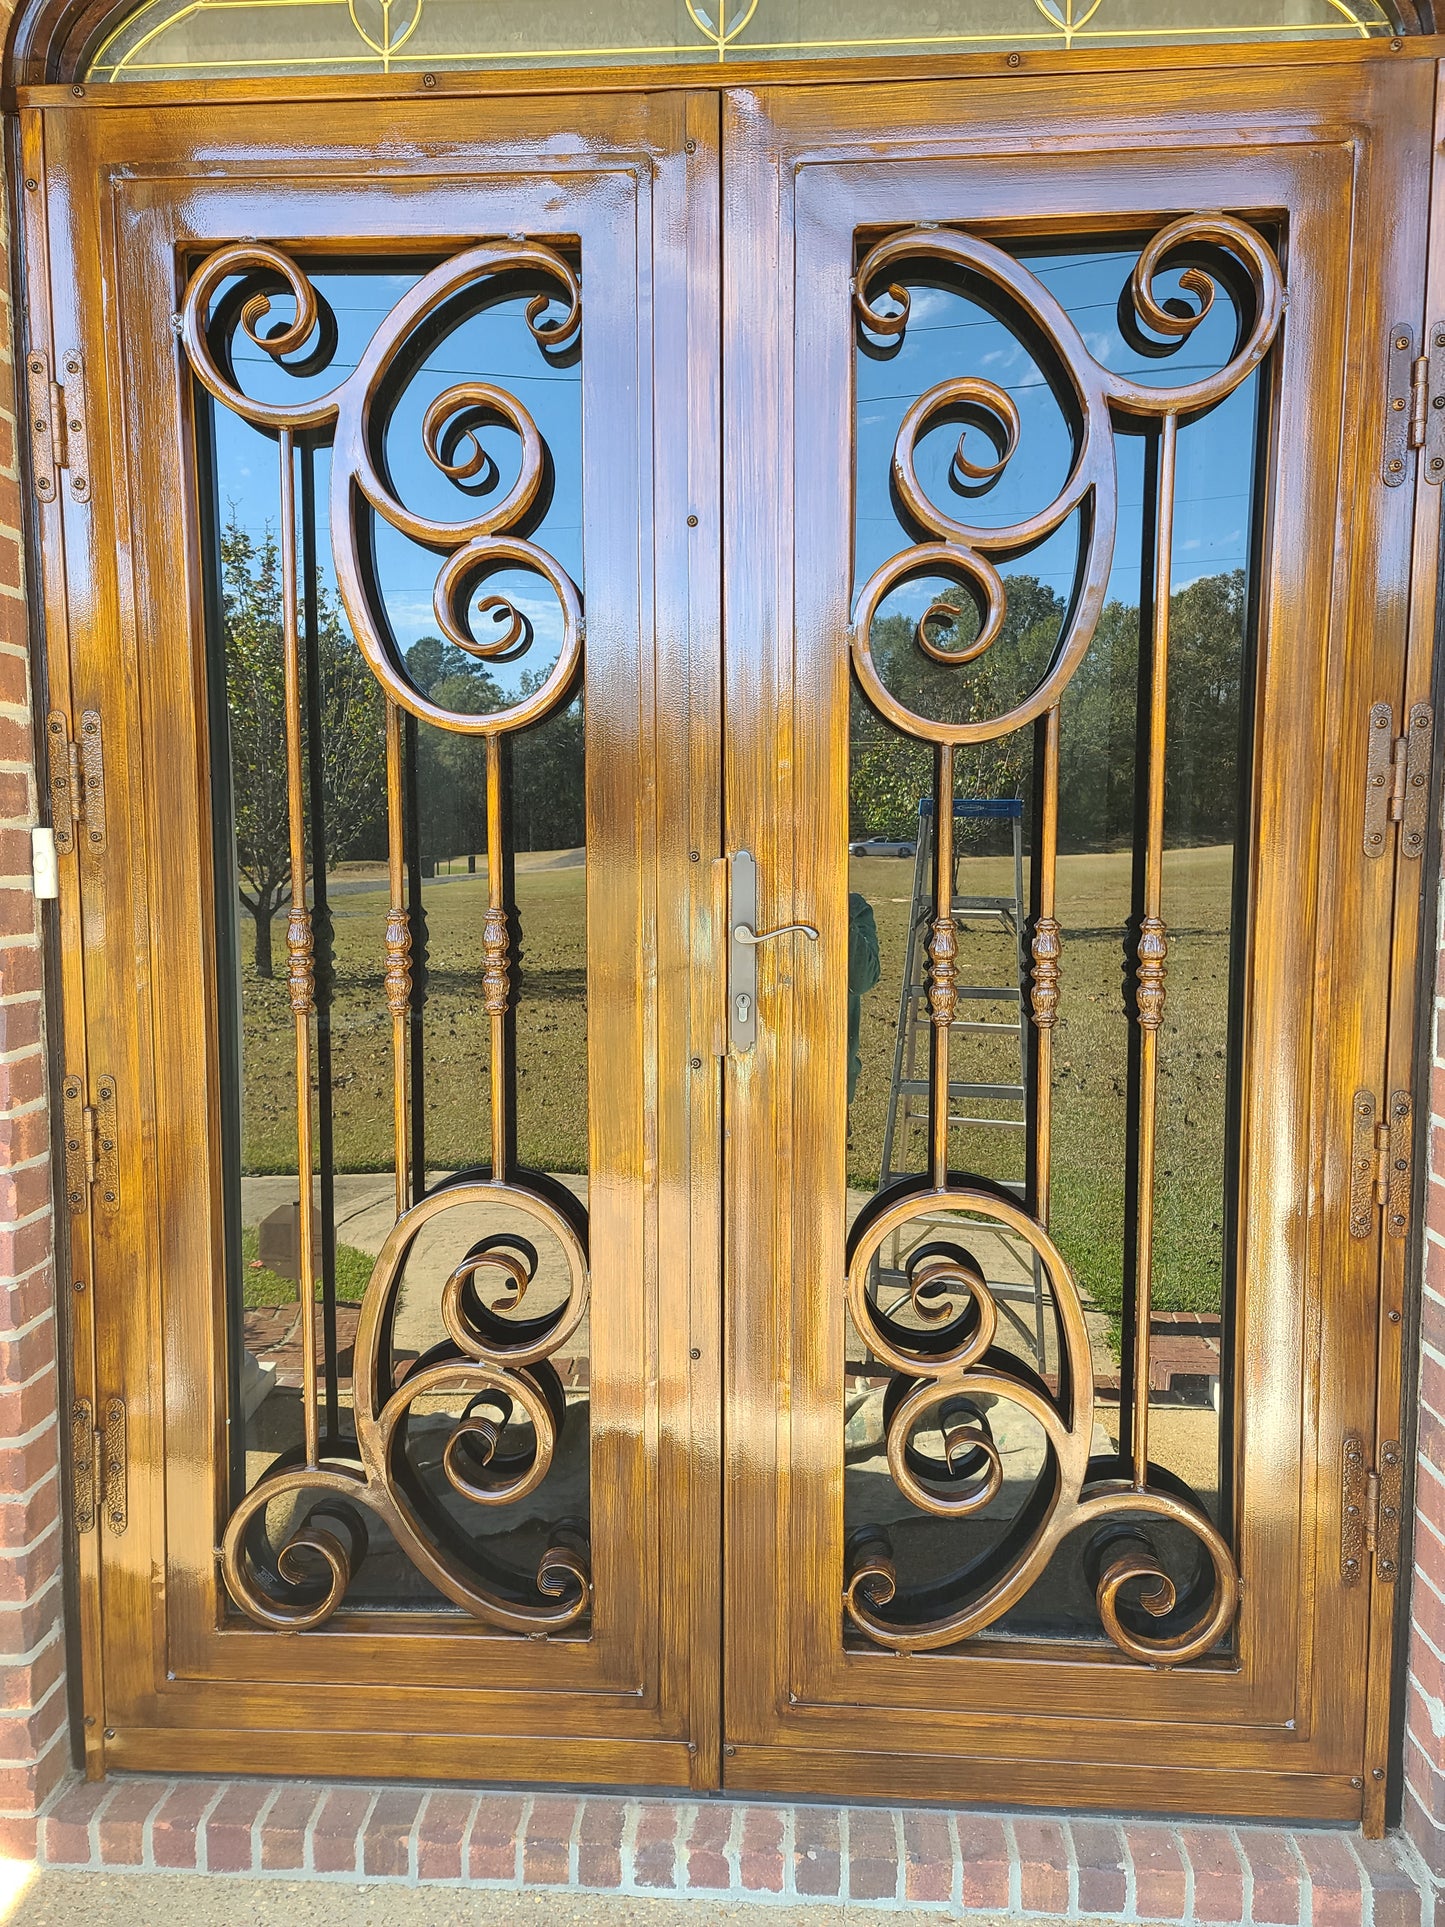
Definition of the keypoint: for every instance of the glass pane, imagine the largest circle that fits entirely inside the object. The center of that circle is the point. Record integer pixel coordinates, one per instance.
(170, 40)
(443, 1032)
(970, 436)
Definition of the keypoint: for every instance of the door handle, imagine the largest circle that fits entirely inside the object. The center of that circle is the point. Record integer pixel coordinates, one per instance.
(743, 949)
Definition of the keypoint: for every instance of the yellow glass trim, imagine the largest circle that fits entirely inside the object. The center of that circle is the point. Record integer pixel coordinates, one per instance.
(1070, 25)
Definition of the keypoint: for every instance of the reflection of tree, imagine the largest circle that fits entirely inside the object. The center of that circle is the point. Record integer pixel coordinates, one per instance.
(890, 772)
(547, 796)
(1099, 733)
(347, 699)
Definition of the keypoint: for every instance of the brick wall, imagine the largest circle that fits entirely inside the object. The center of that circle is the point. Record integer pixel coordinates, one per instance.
(34, 1745)
(1424, 1814)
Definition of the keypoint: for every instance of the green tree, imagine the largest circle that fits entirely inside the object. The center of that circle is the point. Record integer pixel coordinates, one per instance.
(348, 701)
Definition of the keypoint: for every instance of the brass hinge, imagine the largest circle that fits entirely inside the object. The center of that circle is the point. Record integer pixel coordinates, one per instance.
(1414, 404)
(59, 437)
(111, 1450)
(77, 780)
(92, 1160)
(84, 1450)
(1397, 779)
(1370, 1504)
(1380, 1155)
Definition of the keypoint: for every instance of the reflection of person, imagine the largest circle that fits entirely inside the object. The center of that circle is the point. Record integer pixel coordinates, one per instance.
(864, 970)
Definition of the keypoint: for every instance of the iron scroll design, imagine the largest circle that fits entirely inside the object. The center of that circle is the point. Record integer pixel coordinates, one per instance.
(495, 1361)
(939, 1337)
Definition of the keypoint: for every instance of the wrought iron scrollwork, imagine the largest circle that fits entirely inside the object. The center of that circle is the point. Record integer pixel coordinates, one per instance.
(939, 1339)
(495, 1360)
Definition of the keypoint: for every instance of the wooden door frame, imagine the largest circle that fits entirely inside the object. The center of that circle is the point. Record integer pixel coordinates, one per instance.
(28, 36)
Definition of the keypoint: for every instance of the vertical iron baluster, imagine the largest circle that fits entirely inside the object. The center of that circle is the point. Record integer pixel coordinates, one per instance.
(398, 953)
(496, 981)
(942, 954)
(416, 919)
(1044, 974)
(300, 942)
(1153, 943)
(315, 752)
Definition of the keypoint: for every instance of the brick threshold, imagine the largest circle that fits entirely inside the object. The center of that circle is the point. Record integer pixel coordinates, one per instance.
(1199, 1874)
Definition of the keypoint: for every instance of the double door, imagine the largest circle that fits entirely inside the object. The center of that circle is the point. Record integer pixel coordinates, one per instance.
(729, 934)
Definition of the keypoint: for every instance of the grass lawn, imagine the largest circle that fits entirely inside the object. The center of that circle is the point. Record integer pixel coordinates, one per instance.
(262, 1286)
(1090, 1050)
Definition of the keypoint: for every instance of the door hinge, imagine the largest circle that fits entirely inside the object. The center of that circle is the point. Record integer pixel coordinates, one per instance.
(77, 780)
(111, 1452)
(59, 437)
(1414, 405)
(84, 1450)
(1380, 1155)
(92, 1161)
(1370, 1503)
(1397, 779)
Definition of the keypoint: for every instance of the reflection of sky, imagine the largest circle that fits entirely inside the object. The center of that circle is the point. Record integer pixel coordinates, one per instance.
(495, 344)
(949, 334)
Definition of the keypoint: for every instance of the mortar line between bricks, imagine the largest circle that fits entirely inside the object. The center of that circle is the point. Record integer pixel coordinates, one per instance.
(955, 1891)
(900, 1849)
(733, 1850)
(573, 1844)
(1015, 1871)
(50, 1474)
(17, 1333)
(29, 1712)
(1071, 1849)
(29, 1658)
(1178, 1839)
(202, 1841)
(92, 1826)
(1304, 1874)
(845, 1856)
(1131, 1876)
(519, 1845)
(681, 1835)
(1246, 1910)
(1306, 1894)
(413, 1844)
(147, 1837)
(790, 1848)
(467, 1831)
(627, 1846)
(358, 1845)
(1367, 1897)
(258, 1826)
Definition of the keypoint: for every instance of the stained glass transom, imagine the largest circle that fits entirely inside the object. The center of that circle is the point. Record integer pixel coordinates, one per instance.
(177, 39)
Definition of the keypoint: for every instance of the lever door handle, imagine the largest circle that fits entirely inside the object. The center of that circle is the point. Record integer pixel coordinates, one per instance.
(742, 934)
(742, 951)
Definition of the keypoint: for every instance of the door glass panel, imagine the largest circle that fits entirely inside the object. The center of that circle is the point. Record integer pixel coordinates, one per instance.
(1055, 524)
(400, 856)
(178, 39)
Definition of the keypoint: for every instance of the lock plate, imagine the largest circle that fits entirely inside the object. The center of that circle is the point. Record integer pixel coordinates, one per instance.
(742, 957)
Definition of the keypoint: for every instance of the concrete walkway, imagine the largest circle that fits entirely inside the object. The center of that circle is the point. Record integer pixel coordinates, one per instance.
(52, 1899)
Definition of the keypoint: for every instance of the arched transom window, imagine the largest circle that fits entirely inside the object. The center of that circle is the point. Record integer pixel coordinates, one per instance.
(180, 39)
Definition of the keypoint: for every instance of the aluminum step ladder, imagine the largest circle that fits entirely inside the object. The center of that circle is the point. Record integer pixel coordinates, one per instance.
(905, 1133)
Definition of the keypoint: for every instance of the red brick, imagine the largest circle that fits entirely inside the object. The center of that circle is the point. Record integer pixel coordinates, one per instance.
(22, 966)
(121, 1826)
(283, 1836)
(1275, 1873)
(386, 1844)
(1103, 1877)
(928, 1857)
(228, 1842)
(177, 1822)
(335, 1835)
(13, 626)
(817, 1859)
(493, 1853)
(760, 1857)
(441, 1839)
(23, 1572)
(28, 1135)
(26, 1299)
(23, 1520)
(23, 1467)
(1423, 1829)
(65, 1831)
(22, 1358)
(1218, 1874)
(707, 1841)
(25, 1623)
(1159, 1875)
(984, 1850)
(872, 1854)
(1336, 1888)
(1043, 1867)
(19, 1837)
(1395, 1897)
(599, 1843)
(654, 1848)
(24, 1789)
(25, 1734)
(546, 1845)
(9, 562)
(26, 1685)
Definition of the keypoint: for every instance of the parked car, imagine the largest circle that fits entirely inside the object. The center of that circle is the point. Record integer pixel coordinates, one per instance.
(883, 846)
